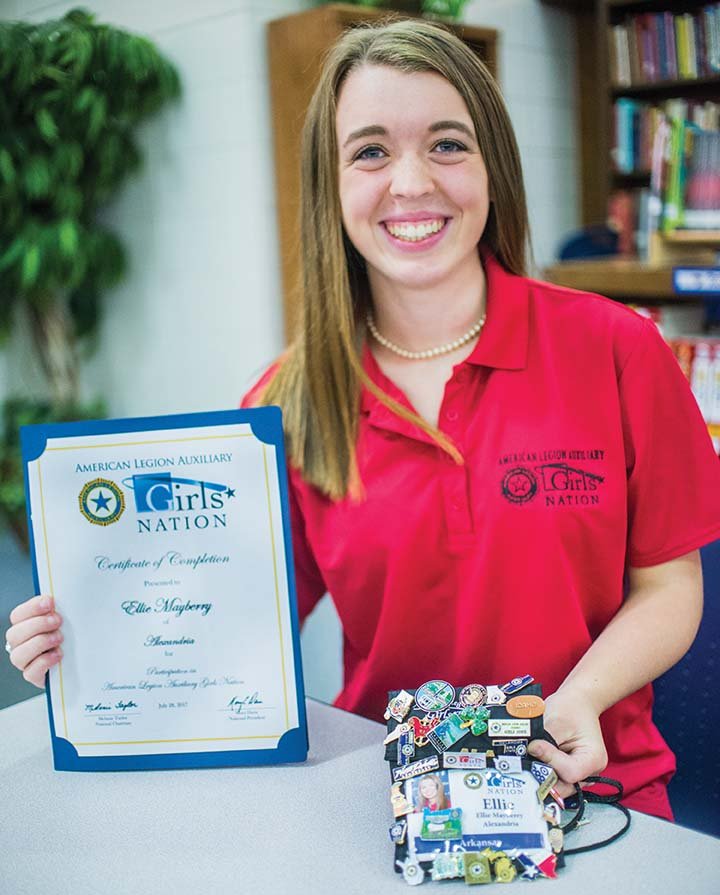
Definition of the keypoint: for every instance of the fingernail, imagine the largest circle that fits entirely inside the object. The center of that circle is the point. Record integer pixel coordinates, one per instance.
(52, 619)
(44, 603)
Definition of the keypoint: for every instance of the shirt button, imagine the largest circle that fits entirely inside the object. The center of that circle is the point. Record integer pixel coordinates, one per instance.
(451, 415)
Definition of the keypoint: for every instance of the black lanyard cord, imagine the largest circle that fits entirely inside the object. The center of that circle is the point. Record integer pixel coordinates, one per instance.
(585, 796)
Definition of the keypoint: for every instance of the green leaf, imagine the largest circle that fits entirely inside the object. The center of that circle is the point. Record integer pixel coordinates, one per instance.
(84, 99)
(36, 177)
(30, 267)
(7, 168)
(68, 200)
(68, 237)
(78, 52)
(80, 16)
(98, 114)
(46, 125)
(12, 254)
(67, 160)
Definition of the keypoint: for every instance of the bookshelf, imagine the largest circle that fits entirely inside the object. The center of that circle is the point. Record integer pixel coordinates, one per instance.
(297, 44)
(603, 81)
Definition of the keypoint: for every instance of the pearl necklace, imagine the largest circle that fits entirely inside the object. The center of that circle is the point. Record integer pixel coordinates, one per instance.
(429, 352)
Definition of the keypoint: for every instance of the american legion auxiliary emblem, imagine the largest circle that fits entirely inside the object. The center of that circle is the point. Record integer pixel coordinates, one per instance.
(101, 502)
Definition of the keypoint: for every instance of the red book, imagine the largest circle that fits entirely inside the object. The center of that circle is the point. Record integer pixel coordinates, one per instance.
(621, 217)
(644, 48)
(653, 46)
(651, 65)
(684, 350)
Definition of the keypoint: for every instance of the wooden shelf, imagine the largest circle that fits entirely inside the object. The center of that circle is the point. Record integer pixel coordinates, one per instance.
(694, 237)
(666, 88)
(630, 178)
(623, 278)
(633, 6)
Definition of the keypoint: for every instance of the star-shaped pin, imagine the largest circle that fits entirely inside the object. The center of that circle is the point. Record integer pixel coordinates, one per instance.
(101, 502)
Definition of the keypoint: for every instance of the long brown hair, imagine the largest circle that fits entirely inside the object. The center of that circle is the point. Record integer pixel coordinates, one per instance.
(318, 382)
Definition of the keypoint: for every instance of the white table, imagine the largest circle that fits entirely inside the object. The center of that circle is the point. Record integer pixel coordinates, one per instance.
(318, 827)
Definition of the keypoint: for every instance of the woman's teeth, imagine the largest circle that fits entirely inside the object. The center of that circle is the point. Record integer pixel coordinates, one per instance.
(415, 232)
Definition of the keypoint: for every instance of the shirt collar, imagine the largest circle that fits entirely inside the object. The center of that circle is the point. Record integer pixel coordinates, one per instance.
(503, 342)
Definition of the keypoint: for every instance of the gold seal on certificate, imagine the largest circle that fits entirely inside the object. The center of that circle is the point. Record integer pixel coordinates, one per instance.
(166, 544)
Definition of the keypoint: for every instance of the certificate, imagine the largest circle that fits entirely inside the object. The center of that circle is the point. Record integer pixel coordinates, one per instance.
(166, 544)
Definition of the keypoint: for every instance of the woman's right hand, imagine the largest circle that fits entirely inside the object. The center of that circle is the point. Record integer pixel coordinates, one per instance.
(34, 636)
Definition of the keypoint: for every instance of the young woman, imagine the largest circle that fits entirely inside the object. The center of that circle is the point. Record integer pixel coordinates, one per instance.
(431, 794)
(489, 474)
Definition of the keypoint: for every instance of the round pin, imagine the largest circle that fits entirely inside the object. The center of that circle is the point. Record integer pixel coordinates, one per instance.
(434, 696)
(525, 706)
(473, 694)
(473, 781)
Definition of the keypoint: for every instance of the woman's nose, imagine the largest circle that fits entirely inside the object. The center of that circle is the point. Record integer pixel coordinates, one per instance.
(411, 178)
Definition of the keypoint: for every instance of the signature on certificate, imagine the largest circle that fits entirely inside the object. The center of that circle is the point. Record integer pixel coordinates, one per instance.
(238, 704)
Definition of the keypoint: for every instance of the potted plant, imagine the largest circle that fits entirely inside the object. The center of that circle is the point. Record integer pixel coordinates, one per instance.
(71, 94)
(450, 10)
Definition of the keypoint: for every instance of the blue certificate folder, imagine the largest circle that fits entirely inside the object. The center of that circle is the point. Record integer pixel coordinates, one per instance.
(133, 482)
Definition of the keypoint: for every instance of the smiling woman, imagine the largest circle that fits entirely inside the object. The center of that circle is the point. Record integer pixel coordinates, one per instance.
(472, 448)
(479, 461)
(406, 128)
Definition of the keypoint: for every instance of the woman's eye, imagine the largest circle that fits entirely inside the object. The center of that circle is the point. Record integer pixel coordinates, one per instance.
(450, 146)
(369, 153)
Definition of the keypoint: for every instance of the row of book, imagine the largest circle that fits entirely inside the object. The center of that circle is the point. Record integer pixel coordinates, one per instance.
(683, 192)
(699, 359)
(685, 177)
(652, 47)
(698, 356)
(636, 122)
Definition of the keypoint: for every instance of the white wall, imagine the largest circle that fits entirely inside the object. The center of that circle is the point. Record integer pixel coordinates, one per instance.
(538, 76)
(200, 311)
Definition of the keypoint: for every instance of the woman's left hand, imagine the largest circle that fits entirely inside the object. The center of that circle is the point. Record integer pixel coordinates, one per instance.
(575, 726)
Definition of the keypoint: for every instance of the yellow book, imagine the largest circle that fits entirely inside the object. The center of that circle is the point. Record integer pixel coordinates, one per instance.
(681, 46)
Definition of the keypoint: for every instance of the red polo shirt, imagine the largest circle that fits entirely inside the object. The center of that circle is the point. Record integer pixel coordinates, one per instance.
(584, 453)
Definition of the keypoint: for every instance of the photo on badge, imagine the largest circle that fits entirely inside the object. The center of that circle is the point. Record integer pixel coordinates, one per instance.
(431, 791)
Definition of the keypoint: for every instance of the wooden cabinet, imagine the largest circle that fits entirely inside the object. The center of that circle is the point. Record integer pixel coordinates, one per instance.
(297, 45)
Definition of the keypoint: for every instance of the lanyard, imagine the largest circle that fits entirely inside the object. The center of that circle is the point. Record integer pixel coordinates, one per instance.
(583, 797)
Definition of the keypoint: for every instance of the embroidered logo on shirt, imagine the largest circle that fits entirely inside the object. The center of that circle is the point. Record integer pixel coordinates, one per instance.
(559, 483)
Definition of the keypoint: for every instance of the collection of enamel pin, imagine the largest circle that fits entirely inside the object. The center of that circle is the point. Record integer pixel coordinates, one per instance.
(469, 802)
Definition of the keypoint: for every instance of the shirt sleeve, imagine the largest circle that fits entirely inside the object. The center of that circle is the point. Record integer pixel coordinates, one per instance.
(673, 471)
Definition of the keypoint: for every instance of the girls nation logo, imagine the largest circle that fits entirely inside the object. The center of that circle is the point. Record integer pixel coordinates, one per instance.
(163, 502)
(101, 502)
